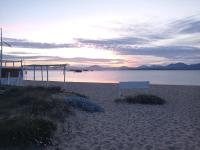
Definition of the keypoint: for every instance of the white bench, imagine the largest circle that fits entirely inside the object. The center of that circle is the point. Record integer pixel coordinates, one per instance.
(141, 85)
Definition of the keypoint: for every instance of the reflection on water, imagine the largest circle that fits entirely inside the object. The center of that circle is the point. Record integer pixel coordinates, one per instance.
(154, 76)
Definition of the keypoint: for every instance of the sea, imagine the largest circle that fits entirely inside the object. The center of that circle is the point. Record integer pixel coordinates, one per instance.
(169, 77)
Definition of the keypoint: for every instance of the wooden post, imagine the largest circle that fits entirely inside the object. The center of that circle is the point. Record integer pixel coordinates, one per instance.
(22, 73)
(19, 78)
(42, 73)
(64, 72)
(8, 78)
(1, 57)
(21, 63)
(34, 73)
(47, 73)
(13, 63)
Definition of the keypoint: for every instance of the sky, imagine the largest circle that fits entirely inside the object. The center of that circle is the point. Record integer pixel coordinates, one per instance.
(109, 33)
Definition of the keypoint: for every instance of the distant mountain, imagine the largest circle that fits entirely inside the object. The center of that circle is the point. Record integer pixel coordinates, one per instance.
(156, 67)
(124, 68)
(96, 67)
(195, 66)
(176, 66)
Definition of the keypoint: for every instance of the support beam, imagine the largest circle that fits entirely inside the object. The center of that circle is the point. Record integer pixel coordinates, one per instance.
(64, 73)
(8, 78)
(19, 78)
(47, 73)
(42, 73)
(21, 62)
(34, 73)
(22, 73)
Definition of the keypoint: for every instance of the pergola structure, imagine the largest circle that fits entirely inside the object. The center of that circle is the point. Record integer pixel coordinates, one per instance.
(46, 67)
(6, 63)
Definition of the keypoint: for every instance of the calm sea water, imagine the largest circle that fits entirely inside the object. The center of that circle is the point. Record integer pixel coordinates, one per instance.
(154, 76)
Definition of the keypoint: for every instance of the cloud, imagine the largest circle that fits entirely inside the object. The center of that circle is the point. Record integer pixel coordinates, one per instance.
(77, 60)
(153, 30)
(21, 43)
(20, 53)
(175, 40)
(16, 56)
(113, 42)
(187, 25)
(170, 52)
(193, 27)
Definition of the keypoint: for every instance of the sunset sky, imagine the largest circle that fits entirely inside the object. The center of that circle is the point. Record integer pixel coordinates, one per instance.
(102, 32)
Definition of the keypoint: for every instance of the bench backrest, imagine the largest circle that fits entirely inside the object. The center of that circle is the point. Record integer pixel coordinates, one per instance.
(134, 85)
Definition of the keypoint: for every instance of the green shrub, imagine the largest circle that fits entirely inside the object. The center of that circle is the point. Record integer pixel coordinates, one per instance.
(29, 115)
(20, 131)
(143, 99)
(119, 100)
(33, 101)
(18, 91)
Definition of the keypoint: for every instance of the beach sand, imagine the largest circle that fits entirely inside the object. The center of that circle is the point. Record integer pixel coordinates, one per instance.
(173, 126)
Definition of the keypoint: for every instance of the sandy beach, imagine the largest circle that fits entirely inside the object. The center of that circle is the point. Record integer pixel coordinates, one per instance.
(173, 126)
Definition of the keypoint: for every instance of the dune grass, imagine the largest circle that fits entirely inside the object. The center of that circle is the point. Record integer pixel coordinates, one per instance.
(29, 115)
(22, 131)
(143, 99)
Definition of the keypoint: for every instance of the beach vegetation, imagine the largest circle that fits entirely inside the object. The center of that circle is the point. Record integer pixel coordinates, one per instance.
(142, 99)
(29, 115)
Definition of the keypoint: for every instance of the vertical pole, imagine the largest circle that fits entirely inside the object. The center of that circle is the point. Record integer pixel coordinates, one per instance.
(34, 73)
(19, 78)
(47, 73)
(1, 57)
(8, 78)
(26, 74)
(22, 68)
(21, 62)
(64, 72)
(42, 73)
(13, 63)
